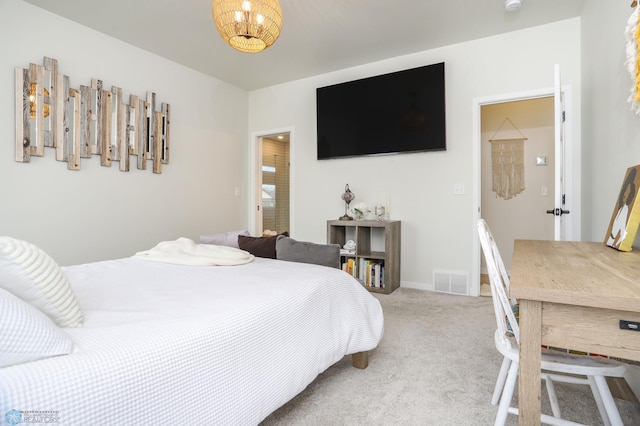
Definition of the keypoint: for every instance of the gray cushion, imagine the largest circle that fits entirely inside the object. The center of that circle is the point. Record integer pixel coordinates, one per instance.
(229, 239)
(300, 251)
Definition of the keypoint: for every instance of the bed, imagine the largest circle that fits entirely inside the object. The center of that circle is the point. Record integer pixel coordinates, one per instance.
(164, 343)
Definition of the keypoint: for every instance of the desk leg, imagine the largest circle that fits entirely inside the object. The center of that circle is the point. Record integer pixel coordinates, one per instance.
(529, 375)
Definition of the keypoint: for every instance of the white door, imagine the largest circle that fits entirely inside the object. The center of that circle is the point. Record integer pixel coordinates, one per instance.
(559, 209)
(257, 201)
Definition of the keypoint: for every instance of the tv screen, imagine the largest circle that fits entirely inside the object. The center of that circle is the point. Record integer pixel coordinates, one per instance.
(398, 112)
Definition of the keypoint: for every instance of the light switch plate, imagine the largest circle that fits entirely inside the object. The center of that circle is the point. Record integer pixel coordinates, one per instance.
(458, 189)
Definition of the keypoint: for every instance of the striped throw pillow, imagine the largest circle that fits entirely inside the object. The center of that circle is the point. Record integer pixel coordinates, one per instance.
(33, 276)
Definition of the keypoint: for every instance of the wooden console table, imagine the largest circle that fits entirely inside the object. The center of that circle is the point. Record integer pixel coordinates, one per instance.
(572, 295)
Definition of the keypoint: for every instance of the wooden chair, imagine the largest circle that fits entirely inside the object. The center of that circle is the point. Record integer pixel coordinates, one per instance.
(556, 366)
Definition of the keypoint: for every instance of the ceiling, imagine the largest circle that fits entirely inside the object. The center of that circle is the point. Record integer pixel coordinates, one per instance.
(318, 36)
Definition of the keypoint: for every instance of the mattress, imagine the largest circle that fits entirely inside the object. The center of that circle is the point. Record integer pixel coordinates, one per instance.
(174, 344)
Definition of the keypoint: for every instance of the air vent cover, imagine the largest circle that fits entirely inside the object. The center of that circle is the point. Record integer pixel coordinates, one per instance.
(453, 282)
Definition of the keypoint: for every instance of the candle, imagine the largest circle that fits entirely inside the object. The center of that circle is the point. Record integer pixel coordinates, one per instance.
(388, 205)
(378, 203)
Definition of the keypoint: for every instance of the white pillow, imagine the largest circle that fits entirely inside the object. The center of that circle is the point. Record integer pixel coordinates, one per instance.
(229, 239)
(26, 334)
(32, 275)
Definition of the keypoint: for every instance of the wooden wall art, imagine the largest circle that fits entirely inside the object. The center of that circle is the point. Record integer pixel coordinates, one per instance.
(91, 120)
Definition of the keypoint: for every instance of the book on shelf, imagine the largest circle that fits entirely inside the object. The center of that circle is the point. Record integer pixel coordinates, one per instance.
(371, 273)
(350, 267)
(368, 268)
(377, 275)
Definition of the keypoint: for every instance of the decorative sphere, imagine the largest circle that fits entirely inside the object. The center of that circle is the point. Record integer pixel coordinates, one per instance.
(348, 196)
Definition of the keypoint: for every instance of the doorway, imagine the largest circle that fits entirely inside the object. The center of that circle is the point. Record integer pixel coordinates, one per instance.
(517, 210)
(272, 184)
(562, 167)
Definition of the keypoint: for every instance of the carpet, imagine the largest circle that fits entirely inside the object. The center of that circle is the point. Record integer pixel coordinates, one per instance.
(436, 365)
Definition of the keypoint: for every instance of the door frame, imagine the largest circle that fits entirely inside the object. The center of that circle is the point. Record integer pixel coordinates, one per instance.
(255, 176)
(474, 289)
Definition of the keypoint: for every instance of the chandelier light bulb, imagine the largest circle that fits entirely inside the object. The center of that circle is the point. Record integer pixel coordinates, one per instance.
(248, 25)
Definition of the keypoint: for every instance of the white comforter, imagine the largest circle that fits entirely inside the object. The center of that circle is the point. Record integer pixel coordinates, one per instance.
(184, 251)
(170, 345)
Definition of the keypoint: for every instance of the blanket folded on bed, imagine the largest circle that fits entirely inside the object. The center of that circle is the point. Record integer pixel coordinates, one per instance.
(184, 251)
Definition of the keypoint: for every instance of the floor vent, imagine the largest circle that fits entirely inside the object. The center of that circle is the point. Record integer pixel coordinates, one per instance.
(451, 282)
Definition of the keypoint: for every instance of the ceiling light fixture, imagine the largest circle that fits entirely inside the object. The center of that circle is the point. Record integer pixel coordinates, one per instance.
(248, 25)
(512, 5)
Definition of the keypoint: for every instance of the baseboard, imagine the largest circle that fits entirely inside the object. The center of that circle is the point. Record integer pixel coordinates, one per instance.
(416, 285)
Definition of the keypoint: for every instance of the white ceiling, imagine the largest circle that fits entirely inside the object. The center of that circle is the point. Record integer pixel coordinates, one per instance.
(318, 36)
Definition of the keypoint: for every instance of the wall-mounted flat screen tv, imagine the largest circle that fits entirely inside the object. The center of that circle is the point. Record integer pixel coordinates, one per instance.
(392, 113)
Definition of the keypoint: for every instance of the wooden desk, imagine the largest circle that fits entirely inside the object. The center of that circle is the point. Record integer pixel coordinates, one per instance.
(572, 295)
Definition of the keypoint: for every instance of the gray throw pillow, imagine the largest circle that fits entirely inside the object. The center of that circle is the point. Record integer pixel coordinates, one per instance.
(300, 251)
(229, 239)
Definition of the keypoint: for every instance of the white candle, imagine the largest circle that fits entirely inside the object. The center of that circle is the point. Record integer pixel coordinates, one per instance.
(388, 205)
(378, 203)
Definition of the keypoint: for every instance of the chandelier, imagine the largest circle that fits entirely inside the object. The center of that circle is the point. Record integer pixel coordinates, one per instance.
(248, 25)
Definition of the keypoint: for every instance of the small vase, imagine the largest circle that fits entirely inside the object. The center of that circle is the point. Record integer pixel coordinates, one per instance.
(359, 216)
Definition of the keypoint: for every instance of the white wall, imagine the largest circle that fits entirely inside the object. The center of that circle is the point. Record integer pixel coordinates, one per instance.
(437, 226)
(611, 131)
(98, 212)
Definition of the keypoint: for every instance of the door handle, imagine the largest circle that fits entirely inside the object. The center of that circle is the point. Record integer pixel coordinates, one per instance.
(558, 212)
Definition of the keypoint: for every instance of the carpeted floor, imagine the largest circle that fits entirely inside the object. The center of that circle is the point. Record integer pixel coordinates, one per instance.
(436, 365)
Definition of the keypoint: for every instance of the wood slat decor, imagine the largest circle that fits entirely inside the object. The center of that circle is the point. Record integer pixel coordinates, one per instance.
(23, 139)
(79, 123)
(50, 84)
(72, 141)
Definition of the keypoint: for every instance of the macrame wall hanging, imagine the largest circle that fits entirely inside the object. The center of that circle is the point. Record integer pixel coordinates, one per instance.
(632, 34)
(507, 163)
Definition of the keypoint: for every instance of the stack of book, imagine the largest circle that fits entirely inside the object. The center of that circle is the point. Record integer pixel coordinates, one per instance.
(350, 266)
(369, 271)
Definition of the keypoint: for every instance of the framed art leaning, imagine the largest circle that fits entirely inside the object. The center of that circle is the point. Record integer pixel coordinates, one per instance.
(626, 213)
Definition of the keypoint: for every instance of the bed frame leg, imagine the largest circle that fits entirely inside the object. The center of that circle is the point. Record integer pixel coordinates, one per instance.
(360, 360)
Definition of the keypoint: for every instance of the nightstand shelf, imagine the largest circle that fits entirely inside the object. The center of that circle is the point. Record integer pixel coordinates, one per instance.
(377, 251)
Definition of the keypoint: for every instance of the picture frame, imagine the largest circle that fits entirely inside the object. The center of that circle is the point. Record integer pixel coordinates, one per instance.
(625, 219)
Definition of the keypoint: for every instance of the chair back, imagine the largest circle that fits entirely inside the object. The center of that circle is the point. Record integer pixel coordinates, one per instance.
(499, 280)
